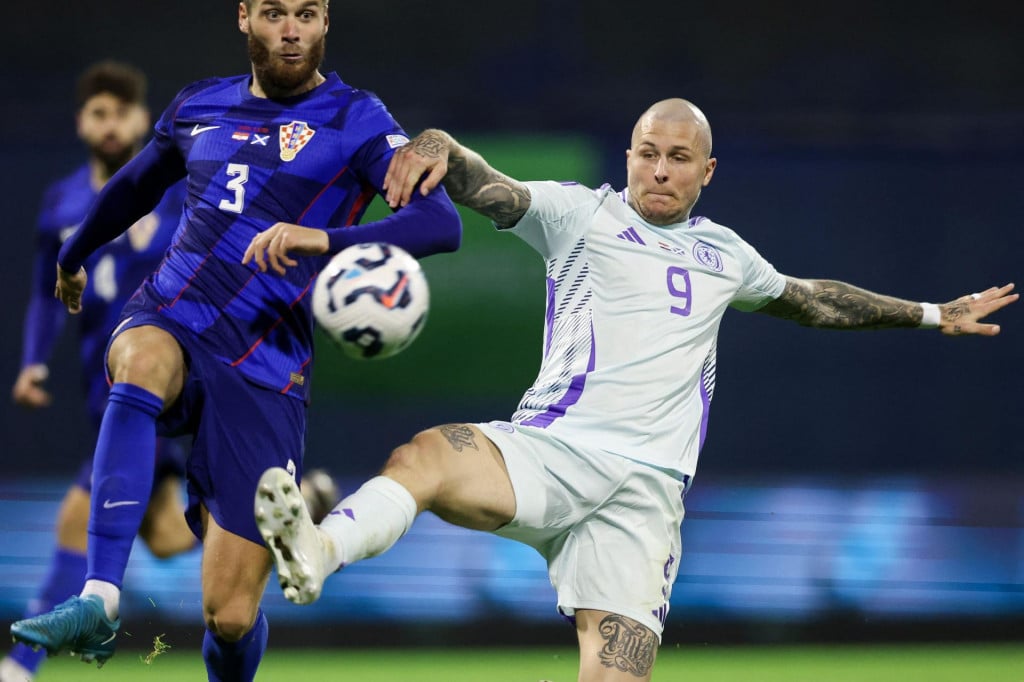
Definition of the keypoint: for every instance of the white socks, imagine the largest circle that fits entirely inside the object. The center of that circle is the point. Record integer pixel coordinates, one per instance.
(368, 521)
(108, 592)
(12, 671)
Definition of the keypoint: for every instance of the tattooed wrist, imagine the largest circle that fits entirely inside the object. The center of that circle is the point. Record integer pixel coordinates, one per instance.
(473, 183)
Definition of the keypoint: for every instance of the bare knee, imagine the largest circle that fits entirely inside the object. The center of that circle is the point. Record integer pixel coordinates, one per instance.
(418, 464)
(231, 622)
(235, 572)
(150, 358)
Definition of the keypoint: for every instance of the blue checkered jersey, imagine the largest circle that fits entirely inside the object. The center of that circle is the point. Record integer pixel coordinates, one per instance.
(316, 160)
(115, 271)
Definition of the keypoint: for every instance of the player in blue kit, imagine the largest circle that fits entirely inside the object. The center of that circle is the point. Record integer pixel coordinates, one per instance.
(213, 344)
(112, 121)
(593, 467)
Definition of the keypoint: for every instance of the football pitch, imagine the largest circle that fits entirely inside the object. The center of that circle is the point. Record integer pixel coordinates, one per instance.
(878, 663)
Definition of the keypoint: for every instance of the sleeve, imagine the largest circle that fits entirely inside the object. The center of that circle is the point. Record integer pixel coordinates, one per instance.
(558, 215)
(45, 316)
(761, 281)
(133, 191)
(427, 225)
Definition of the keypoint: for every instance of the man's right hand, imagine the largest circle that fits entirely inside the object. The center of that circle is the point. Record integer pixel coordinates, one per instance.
(424, 158)
(28, 390)
(70, 287)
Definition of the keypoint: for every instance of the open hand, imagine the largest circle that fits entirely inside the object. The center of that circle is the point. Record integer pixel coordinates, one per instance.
(271, 248)
(961, 315)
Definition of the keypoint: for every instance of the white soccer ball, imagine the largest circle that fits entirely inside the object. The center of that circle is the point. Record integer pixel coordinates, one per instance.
(371, 300)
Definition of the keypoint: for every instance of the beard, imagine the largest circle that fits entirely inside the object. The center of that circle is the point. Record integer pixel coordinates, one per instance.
(281, 79)
(112, 157)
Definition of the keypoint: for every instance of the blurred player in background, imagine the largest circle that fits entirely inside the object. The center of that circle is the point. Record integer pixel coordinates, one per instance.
(592, 469)
(112, 121)
(213, 344)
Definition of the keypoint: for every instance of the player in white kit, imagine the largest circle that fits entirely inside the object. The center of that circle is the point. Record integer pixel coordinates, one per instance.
(593, 467)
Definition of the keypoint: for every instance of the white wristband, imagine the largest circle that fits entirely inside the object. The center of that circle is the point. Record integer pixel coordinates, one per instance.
(931, 316)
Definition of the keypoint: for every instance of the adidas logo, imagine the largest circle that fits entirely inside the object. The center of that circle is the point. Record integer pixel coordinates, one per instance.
(630, 235)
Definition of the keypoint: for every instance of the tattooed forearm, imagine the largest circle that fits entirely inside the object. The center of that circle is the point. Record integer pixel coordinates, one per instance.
(459, 436)
(837, 305)
(629, 646)
(473, 183)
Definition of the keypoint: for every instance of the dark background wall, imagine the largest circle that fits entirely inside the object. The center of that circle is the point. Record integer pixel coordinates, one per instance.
(875, 142)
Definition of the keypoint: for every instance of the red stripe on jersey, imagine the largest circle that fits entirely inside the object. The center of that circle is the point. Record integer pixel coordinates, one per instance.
(188, 283)
(366, 195)
(278, 321)
(320, 194)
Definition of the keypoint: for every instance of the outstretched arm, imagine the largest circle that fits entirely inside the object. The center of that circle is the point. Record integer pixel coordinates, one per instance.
(829, 304)
(433, 157)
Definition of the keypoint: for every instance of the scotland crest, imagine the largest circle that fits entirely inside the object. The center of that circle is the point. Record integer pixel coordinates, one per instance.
(708, 256)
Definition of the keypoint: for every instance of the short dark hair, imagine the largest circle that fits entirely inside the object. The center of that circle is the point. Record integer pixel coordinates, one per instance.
(121, 80)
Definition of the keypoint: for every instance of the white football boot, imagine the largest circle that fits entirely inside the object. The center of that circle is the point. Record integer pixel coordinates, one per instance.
(296, 544)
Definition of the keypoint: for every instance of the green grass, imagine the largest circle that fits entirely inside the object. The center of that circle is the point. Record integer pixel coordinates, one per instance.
(877, 663)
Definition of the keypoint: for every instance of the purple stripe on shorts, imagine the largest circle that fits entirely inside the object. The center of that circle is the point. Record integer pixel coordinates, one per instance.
(572, 394)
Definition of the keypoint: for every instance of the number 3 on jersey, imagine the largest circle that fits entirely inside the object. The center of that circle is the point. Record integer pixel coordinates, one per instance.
(678, 281)
(239, 174)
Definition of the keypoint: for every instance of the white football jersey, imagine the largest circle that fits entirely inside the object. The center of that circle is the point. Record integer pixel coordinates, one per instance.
(631, 323)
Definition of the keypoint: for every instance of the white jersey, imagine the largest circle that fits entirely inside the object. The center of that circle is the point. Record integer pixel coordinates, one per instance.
(632, 320)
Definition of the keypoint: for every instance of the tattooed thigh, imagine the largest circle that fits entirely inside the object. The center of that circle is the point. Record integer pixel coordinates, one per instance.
(627, 645)
(459, 436)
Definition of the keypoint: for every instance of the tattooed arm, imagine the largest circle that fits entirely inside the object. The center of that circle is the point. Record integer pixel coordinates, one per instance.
(830, 304)
(434, 156)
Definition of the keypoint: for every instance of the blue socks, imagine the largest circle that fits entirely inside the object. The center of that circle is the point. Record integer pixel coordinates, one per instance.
(236, 661)
(63, 580)
(122, 479)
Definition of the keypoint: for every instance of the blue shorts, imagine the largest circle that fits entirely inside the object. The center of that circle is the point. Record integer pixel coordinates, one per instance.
(239, 430)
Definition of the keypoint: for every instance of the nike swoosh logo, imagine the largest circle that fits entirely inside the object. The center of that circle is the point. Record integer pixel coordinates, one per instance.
(109, 640)
(202, 129)
(390, 299)
(107, 504)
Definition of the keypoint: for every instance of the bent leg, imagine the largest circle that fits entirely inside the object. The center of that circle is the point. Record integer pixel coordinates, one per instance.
(453, 470)
(234, 576)
(148, 370)
(614, 648)
(163, 527)
(457, 473)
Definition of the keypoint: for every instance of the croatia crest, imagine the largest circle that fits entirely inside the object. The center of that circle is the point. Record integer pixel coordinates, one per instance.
(294, 137)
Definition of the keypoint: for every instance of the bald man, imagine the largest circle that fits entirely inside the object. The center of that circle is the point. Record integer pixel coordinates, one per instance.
(592, 468)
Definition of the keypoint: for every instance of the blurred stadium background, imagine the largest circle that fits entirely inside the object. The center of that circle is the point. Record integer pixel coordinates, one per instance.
(854, 487)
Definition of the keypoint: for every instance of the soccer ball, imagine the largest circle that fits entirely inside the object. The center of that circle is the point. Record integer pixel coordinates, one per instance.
(371, 300)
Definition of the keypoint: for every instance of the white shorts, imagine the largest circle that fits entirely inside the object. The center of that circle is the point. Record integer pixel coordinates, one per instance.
(608, 526)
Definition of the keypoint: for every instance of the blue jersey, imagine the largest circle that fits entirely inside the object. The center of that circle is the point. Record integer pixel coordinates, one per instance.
(115, 271)
(317, 160)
